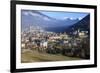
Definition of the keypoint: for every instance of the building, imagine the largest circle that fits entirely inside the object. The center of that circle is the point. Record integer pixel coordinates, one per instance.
(23, 45)
(54, 37)
(82, 34)
(44, 43)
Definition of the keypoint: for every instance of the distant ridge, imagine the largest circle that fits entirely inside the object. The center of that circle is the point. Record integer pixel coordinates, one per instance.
(36, 18)
(84, 24)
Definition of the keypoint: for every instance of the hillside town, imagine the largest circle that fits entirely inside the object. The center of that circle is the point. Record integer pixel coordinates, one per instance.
(75, 44)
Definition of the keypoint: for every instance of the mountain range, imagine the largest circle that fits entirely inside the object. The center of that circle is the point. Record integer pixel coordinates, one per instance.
(36, 18)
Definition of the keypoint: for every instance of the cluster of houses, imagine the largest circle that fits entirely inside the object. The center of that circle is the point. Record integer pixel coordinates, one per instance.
(54, 43)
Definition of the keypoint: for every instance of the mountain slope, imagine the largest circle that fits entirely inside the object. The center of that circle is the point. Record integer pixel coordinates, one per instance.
(36, 18)
(84, 24)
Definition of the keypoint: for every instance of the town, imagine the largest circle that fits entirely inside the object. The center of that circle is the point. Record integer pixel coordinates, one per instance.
(75, 44)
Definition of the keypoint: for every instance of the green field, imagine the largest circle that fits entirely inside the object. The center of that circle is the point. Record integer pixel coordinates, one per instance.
(29, 56)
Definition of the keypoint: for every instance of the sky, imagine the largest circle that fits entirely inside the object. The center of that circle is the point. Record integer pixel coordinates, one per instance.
(64, 15)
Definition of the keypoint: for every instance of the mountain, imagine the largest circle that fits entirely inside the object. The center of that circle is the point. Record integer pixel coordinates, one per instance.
(36, 18)
(83, 24)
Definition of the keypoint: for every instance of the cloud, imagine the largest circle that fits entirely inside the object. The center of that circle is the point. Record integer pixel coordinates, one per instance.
(72, 18)
(65, 17)
(46, 18)
(33, 14)
(25, 13)
(80, 18)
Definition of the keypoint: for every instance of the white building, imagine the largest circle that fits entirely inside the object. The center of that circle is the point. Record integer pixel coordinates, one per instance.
(23, 45)
(55, 37)
(44, 44)
(82, 34)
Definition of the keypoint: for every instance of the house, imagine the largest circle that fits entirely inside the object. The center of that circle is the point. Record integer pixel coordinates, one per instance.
(54, 37)
(66, 41)
(23, 45)
(43, 43)
(82, 34)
